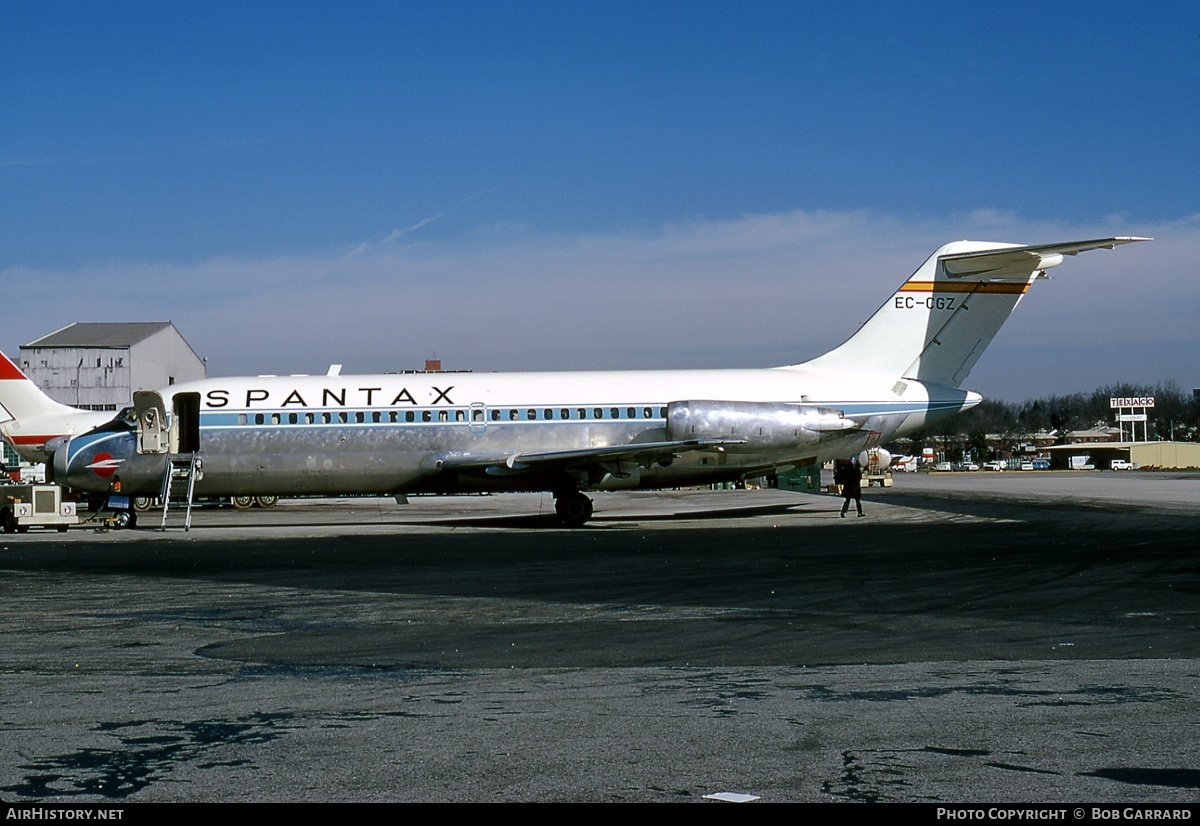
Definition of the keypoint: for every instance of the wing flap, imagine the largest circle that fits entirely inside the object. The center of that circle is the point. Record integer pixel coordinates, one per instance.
(642, 453)
(651, 452)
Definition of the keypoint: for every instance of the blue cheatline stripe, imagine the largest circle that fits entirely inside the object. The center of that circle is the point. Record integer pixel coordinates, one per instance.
(845, 406)
(220, 419)
(231, 419)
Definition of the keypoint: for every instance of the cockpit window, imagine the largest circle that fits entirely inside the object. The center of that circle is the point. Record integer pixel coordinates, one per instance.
(122, 422)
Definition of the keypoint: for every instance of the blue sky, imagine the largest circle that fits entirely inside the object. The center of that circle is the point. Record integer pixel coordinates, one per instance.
(561, 185)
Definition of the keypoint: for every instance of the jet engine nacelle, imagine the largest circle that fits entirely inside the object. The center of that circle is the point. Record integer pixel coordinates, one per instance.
(763, 425)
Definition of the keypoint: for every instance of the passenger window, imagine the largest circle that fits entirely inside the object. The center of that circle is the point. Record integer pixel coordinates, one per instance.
(531, 414)
(360, 417)
(662, 412)
(326, 418)
(495, 415)
(547, 413)
(443, 416)
(616, 413)
(426, 416)
(293, 418)
(258, 418)
(376, 417)
(309, 418)
(564, 413)
(460, 415)
(343, 418)
(632, 412)
(598, 413)
(646, 413)
(242, 418)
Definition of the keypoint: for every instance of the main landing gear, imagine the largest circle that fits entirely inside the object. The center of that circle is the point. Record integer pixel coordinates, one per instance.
(573, 508)
(244, 503)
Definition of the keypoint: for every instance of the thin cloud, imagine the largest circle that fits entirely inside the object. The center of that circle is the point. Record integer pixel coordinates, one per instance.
(397, 234)
(212, 147)
(18, 161)
(759, 290)
(392, 237)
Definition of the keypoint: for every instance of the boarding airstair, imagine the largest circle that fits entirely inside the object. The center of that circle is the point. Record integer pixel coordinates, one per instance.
(179, 482)
(177, 438)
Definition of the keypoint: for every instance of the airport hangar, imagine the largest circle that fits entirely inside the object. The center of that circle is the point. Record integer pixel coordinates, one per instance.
(97, 366)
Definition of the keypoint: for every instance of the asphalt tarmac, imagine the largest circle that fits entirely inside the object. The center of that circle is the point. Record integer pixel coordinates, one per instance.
(1015, 637)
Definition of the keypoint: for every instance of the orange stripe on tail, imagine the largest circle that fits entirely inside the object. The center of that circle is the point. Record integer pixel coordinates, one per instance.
(995, 288)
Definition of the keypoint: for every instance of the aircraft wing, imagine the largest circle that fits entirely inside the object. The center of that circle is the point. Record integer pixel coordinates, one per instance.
(1021, 261)
(643, 454)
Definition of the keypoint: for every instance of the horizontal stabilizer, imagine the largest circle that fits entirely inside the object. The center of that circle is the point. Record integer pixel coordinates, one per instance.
(1020, 261)
(937, 324)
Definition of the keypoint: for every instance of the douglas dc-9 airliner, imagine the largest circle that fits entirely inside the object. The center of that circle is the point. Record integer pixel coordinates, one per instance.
(565, 433)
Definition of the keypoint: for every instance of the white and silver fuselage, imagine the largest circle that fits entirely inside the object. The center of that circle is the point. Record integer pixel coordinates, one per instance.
(397, 433)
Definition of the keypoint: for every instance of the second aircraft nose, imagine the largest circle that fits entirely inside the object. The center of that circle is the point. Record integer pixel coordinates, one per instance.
(93, 461)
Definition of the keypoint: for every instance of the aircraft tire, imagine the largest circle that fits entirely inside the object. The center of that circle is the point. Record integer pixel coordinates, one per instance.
(242, 503)
(266, 501)
(573, 509)
(141, 504)
(125, 519)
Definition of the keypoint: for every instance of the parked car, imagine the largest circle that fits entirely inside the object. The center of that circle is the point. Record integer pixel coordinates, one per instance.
(1041, 464)
(994, 465)
(942, 466)
(1120, 464)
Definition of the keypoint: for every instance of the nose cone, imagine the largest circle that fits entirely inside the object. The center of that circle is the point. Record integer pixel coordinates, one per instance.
(92, 462)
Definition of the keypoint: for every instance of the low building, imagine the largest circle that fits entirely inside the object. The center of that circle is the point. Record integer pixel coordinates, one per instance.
(1159, 455)
(1165, 455)
(97, 366)
(1094, 435)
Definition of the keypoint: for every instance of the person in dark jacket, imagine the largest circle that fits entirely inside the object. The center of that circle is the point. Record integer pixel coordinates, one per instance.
(849, 476)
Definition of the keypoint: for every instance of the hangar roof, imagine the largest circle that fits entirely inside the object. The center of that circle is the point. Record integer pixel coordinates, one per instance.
(100, 334)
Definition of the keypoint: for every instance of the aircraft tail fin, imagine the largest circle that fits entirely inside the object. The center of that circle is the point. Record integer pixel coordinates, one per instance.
(20, 398)
(938, 323)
